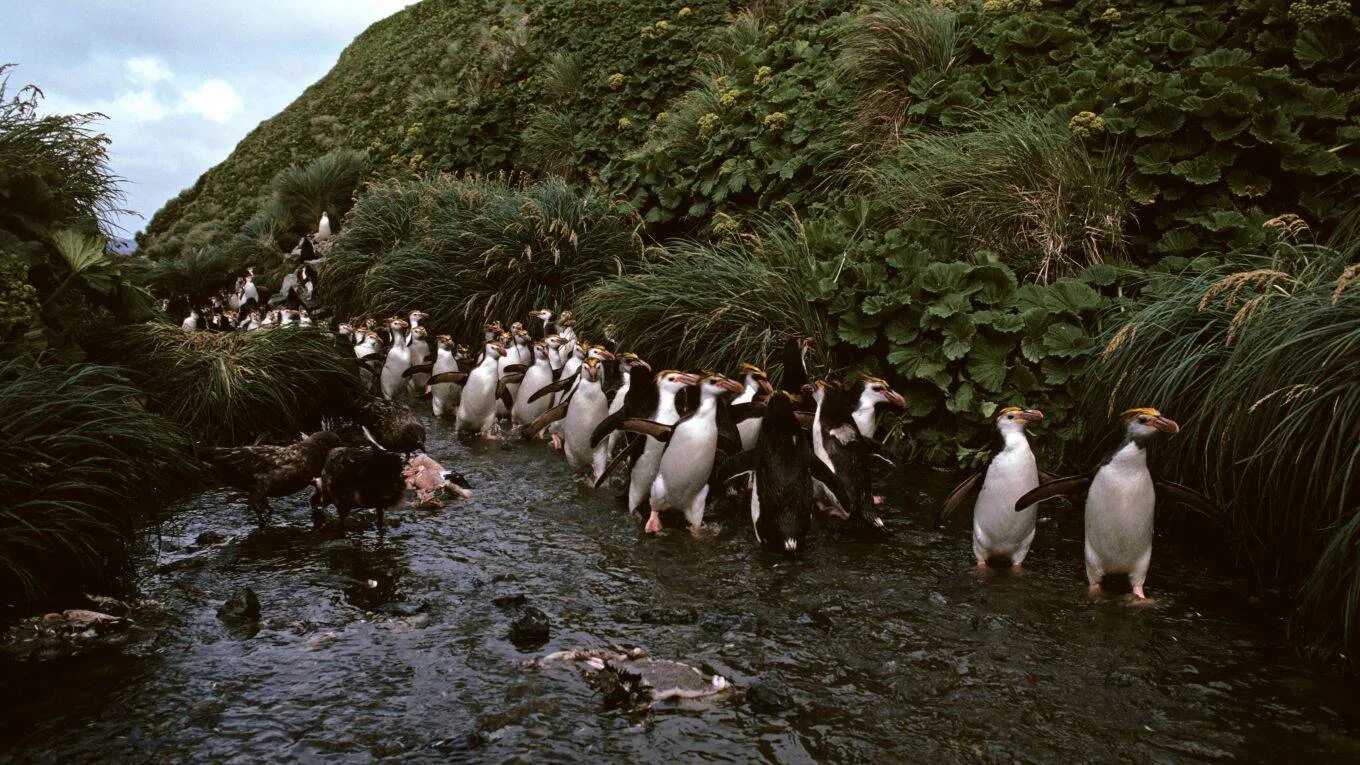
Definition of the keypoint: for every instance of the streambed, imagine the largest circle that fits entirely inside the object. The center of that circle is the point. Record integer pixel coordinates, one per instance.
(859, 651)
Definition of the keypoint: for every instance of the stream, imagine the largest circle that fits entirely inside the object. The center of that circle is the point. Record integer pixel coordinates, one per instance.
(857, 651)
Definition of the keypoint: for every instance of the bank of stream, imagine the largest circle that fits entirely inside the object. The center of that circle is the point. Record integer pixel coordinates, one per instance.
(858, 650)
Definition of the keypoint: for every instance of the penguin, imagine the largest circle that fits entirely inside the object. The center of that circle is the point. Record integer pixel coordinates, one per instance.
(305, 319)
(538, 376)
(477, 407)
(418, 373)
(248, 289)
(659, 405)
(508, 369)
(795, 375)
(1120, 498)
(566, 324)
(398, 360)
(635, 370)
(323, 229)
(784, 477)
(306, 250)
(585, 410)
(546, 316)
(1001, 536)
(445, 391)
(681, 481)
(869, 394)
(757, 387)
(837, 442)
(193, 321)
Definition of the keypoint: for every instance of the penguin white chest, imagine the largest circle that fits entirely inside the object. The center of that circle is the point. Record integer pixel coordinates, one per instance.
(687, 461)
(1119, 513)
(998, 530)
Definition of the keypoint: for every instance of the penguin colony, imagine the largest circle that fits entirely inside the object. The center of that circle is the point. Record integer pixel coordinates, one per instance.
(678, 439)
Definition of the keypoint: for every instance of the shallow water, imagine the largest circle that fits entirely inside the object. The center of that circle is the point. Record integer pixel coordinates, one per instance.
(874, 651)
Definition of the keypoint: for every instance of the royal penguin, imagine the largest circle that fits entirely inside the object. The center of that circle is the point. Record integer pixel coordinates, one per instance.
(418, 341)
(398, 360)
(445, 391)
(566, 327)
(756, 386)
(508, 369)
(477, 407)
(323, 229)
(193, 321)
(1121, 496)
(784, 477)
(546, 316)
(538, 376)
(660, 405)
(1002, 536)
(838, 443)
(681, 481)
(634, 371)
(585, 409)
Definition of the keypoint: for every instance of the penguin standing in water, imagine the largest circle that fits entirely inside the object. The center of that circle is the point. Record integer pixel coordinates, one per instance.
(660, 407)
(1120, 498)
(635, 371)
(1001, 535)
(477, 408)
(681, 481)
(837, 442)
(784, 477)
(757, 386)
(446, 378)
(398, 360)
(420, 355)
(538, 376)
(585, 409)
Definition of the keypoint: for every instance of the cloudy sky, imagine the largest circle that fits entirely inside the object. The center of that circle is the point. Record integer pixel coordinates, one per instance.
(182, 81)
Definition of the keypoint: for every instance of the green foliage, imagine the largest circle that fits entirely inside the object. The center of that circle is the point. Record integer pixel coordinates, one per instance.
(304, 191)
(198, 274)
(1020, 185)
(82, 465)
(700, 305)
(466, 250)
(232, 387)
(1261, 357)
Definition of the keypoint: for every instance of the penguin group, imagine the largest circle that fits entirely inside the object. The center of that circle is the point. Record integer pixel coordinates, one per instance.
(680, 440)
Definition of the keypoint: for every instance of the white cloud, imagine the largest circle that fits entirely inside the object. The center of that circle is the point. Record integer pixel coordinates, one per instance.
(146, 70)
(137, 106)
(214, 99)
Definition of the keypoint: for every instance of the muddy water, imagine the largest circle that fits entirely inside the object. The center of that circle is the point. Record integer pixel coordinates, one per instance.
(393, 649)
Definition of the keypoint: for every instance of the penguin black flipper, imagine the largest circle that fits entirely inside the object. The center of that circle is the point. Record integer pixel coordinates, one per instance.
(1187, 496)
(636, 445)
(751, 410)
(648, 428)
(805, 419)
(553, 387)
(457, 378)
(513, 379)
(511, 369)
(734, 467)
(607, 425)
(957, 496)
(1071, 486)
(831, 482)
(418, 369)
(503, 393)
(729, 438)
(544, 420)
(877, 449)
(795, 372)
(375, 356)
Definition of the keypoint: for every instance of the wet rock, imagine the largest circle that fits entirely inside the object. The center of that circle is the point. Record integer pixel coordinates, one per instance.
(939, 599)
(464, 743)
(504, 578)
(531, 629)
(513, 600)
(402, 608)
(64, 634)
(769, 693)
(209, 538)
(664, 615)
(716, 624)
(242, 608)
(1121, 679)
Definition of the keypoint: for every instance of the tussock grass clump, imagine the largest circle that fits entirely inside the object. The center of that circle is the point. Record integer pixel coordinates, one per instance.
(701, 305)
(1262, 359)
(235, 387)
(324, 185)
(198, 273)
(1020, 185)
(82, 465)
(466, 250)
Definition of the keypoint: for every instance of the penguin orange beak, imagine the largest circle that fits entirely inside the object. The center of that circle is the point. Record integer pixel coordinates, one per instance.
(1165, 424)
(732, 386)
(640, 363)
(764, 386)
(687, 379)
(1030, 415)
(895, 398)
(605, 355)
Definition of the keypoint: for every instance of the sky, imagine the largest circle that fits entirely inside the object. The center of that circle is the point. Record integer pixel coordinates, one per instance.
(182, 81)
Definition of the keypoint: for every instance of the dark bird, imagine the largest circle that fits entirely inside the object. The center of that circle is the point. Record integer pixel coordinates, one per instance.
(271, 471)
(356, 477)
(392, 425)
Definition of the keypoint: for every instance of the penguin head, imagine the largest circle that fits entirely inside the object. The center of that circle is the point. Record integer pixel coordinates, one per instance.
(463, 354)
(756, 376)
(877, 391)
(516, 328)
(554, 341)
(418, 316)
(631, 360)
(445, 343)
(566, 319)
(716, 385)
(370, 323)
(598, 352)
(542, 313)
(540, 351)
(344, 330)
(672, 381)
(495, 350)
(590, 369)
(1013, 419)
(398, 325)
(1145, 422)
(522, 337)
(420, 333)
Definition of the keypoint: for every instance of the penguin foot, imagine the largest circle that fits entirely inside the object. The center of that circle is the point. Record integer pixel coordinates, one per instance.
(879, 499)
(1018, 570)
(557, 441)
(653, 523)
(1138, 593)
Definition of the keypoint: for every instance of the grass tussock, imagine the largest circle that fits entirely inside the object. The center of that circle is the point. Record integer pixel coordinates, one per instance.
(1019, 185)
(82, 464)
(324, 185)
(1262, 359)
(466, 250)
(695, 304)
(237, 387)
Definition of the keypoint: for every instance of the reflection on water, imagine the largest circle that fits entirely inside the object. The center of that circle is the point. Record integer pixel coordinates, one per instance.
(859, 650)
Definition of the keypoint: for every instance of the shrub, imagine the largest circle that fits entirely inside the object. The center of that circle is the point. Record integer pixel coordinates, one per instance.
(1262, 354)
(696, 304)
(234, 387)
(82, 465)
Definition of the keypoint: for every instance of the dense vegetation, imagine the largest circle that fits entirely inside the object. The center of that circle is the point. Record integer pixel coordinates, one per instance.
(1010, 201)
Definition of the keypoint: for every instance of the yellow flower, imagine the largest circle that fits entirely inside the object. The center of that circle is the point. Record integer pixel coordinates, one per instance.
(776, 121)
(729, 98)
(685, 12)
(616, 80)
(708, 124)
(764, 76)
(662, 24)
(1086, 125)
(625, 123)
